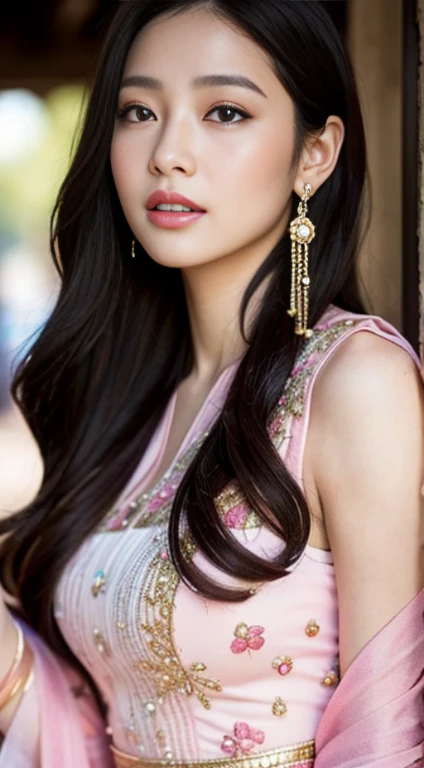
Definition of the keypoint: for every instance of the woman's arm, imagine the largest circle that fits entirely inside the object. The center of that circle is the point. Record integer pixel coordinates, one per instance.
(9, 644)
(53, 724)
(365, 449)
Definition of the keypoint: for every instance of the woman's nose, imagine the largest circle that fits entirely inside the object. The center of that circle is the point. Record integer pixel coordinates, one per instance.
(173, 151)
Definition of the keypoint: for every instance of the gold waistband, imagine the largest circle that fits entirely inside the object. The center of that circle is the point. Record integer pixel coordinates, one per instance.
(296, 756)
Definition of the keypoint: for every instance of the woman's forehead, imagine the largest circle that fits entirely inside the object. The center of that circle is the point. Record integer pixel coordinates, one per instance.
(197, 40)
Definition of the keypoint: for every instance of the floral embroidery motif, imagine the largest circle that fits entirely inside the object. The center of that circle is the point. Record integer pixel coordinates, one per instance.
(283, 664)
(165, 664)
(276, 426)
(243, 741)
(156, 605)
(98, 584)
(293, 399)
(279, 707)
(312, 628)
(247, 638)
(231, 503)
(153, 508)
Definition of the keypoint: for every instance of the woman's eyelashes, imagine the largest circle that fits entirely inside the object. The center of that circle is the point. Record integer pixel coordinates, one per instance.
(225, 112)
(140, 112)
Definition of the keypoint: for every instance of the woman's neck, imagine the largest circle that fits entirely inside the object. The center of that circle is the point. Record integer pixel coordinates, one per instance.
(214, 292)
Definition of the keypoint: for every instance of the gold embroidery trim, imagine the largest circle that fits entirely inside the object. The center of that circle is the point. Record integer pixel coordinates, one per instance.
(169, 673)
(290, 404)
(165, 665)
(293, 756)
(231, 497)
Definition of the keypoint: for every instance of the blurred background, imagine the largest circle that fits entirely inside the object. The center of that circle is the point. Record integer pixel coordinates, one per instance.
(48, 52)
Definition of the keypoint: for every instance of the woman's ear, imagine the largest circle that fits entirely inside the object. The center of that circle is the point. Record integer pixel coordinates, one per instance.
(319, 156)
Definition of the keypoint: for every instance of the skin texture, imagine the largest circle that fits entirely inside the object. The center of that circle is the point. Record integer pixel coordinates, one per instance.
(367, 425)
(367, 411)
(242, 173)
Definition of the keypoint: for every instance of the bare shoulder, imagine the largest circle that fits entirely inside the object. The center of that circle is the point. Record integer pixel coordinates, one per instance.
(367, 374)
(367, 419)
(366, 448)
(367, 413)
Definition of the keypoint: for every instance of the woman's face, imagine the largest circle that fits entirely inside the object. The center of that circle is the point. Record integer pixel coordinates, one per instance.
(227, 147)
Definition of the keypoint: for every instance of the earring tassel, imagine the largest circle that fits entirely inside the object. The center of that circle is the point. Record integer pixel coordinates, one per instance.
(302, 232)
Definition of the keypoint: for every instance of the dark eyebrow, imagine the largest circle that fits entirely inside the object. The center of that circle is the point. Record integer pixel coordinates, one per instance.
(204, 81)
(242, 82)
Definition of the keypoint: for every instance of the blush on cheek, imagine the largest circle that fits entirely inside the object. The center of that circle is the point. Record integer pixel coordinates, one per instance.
(125, 179)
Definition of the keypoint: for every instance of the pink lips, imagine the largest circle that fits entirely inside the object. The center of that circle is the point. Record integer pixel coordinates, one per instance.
(172, 219)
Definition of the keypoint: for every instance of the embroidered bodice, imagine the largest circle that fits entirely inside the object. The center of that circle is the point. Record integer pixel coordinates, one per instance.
(188, 678)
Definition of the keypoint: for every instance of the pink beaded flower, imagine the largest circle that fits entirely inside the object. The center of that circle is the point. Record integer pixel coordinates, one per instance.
(276, 426)
(236, 517)
(243, 740)
(161, 497)
(247, 638)
(298, 369)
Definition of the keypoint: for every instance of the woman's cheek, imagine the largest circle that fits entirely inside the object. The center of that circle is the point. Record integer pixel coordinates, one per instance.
(125, 176)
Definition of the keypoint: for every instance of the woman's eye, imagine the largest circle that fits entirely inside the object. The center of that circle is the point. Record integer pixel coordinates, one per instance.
(226, 114)
(138, 114)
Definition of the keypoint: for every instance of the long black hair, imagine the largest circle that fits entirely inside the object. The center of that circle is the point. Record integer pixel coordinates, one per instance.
(97, 380)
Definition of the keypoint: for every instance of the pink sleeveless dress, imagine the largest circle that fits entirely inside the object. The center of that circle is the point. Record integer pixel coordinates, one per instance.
(187, 678)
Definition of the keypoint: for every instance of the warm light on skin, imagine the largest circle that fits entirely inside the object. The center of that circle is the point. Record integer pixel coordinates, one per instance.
(241, 173)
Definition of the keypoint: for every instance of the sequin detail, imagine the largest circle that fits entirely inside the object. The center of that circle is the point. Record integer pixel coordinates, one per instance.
(168, 671)
(247, 638)
(243, 741)
(231, 503)
(331, 678)
(170, 674)
(98, 584)
(283, 664)
(312, 628)
(133, 736)
(153, 508)
(293, 398)
(100, 642)
(279, 707)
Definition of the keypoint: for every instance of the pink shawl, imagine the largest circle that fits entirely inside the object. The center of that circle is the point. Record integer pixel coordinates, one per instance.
(375, 718)
(376, 714)
(52, 728)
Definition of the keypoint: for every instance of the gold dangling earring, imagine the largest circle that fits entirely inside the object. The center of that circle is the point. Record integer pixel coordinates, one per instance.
(302, 232)
(133, 249)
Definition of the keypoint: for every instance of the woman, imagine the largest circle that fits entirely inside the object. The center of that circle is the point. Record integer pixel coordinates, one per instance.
(224, 551)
